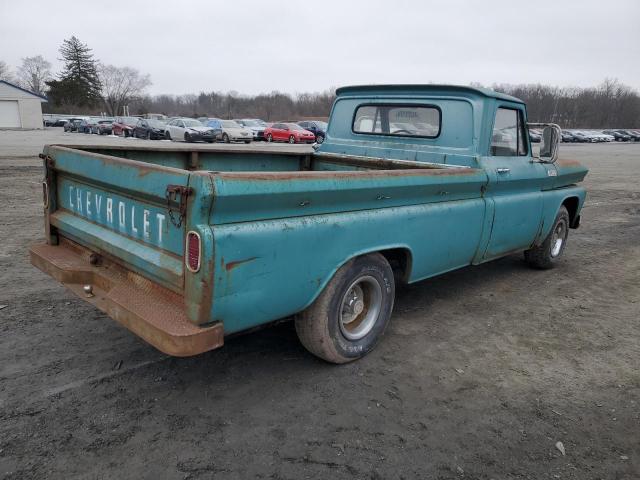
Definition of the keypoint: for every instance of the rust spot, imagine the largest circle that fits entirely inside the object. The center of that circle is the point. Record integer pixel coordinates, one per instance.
(568, 163)
(231, 265)
(277, 176)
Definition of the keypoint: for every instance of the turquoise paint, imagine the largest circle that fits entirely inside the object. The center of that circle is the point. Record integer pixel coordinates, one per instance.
(272, 239)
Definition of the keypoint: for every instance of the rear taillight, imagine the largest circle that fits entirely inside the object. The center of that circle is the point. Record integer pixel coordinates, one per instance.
(192, 257)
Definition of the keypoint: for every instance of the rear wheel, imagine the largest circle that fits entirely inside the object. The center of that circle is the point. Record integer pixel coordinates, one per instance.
(167, 135)
(545, 255)
(292, 139)
(187, 137)
(350, 316)
(319, 139)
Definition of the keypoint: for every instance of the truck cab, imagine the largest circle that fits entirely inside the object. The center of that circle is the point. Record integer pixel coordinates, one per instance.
(458, 126)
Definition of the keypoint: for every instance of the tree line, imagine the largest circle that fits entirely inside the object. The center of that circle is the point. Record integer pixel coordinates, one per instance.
(86, 86)
(609, 105)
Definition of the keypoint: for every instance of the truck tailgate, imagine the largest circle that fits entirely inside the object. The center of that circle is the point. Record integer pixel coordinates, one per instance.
(118, 208)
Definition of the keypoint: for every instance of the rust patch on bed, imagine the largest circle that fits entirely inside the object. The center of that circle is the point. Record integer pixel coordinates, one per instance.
(276, 176)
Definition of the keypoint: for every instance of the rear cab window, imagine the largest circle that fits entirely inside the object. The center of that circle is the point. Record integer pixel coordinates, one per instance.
(398, 120)
(508, 138)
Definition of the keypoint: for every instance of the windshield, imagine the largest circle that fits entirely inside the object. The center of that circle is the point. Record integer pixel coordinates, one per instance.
(251, 123)
(130, 120)
(322, 125)
(156, 123)
(192, 123)
(230, 124)
(294, 126)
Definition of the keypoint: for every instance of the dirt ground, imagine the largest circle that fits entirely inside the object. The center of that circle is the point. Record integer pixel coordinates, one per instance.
(481, 373)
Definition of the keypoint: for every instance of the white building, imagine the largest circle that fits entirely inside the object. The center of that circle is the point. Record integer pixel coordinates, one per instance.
(19, 108)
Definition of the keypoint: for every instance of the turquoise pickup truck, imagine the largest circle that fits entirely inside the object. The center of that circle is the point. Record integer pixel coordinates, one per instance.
(188, 244)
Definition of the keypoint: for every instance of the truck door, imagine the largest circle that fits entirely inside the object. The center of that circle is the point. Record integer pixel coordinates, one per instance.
(515, 185)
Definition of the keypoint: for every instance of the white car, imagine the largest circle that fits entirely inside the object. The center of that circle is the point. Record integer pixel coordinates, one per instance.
(188, 130)
(605, 137)
(232, 131)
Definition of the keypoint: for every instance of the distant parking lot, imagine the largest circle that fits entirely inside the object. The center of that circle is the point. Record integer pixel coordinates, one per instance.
(482, 372)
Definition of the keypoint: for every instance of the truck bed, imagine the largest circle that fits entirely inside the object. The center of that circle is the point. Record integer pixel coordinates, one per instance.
(252, 210)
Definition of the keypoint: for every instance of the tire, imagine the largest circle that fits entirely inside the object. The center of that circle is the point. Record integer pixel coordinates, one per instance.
(225, 138)
(148, 135)
(247, 142)
(292, 139)
(269, 138)
(167, 135)
(351, 314)
(187, 137)
(319, 139)
(545, 255)
(126, 133)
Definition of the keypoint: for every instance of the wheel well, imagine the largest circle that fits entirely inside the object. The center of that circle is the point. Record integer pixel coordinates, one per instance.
(571, 205)
(400, 261)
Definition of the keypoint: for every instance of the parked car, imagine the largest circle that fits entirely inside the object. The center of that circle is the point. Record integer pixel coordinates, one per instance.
(256, 126)
(318, 128)
(618, 135)
(103, 126)
(568, 137)
(54, 121)
(124, 126)
(71, 125)
(231, 130)
(223, 242)
(151, 129)
(288, 132)
(633, 136)
(585, 137)
(535, 135)
(189, 130)
(85, 125)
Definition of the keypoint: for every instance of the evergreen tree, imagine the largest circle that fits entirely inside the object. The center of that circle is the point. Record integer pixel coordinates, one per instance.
(78, 83)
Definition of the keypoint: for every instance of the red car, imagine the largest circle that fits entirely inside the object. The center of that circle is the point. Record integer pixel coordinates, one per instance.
(288, 132)
(124, 126)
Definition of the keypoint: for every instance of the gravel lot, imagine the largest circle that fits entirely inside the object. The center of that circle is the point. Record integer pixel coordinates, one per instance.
(482, 371)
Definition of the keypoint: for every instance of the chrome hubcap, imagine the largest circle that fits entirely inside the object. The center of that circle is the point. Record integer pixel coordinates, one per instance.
(360, 308)
(557, 239)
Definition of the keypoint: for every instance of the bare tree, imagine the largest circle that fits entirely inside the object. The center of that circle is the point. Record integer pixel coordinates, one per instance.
(5, 72)
(34, 73)
(121, 85)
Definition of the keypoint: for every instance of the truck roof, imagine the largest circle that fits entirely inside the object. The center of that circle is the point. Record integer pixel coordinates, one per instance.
(424, 88)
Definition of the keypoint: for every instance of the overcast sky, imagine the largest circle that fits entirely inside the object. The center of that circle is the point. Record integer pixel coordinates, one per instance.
(294, 46)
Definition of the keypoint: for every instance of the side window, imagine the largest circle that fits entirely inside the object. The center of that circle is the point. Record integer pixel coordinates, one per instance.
(508, 136)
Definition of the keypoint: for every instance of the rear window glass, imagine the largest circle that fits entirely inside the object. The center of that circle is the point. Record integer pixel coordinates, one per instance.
(398, 120)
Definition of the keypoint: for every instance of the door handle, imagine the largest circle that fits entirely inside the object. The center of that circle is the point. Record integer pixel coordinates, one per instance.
(503, 170)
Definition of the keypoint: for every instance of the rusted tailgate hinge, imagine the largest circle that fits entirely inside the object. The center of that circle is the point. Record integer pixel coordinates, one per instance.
(171, 194)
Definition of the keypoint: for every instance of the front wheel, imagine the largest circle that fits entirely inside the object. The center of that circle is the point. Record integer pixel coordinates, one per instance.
(545, 255)
(269, 138)
(225, 138)
(167, 135)
(319, 138)
(292, 139)
(350, 316)
(187, 137)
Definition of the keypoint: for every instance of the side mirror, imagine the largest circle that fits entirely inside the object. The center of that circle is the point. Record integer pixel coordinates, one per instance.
(549, 142)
